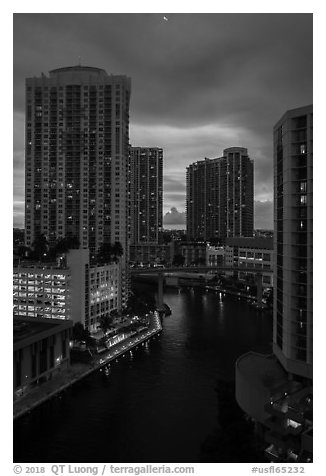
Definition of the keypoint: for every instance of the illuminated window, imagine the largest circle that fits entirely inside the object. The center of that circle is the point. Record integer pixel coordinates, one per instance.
(292, 423)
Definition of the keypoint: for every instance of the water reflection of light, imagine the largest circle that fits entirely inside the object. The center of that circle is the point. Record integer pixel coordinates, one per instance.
(221, 315)
(205, 301)
(221, 304)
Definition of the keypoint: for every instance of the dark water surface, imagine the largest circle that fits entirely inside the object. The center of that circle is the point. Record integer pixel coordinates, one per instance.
(157, 405)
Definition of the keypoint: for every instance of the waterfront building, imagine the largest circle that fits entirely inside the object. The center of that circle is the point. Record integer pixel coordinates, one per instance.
(95, 290)
(70, 289)
(251, 253)
(152, 253)
(41, 350)
(282, 399)
(220, 197)
(146, 194)
(215, 255)
(194, 252)
(76, 158)
(41, 291)
(293, 241)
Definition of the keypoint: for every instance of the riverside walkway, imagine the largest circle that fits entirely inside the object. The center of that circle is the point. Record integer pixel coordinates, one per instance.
(78, 371)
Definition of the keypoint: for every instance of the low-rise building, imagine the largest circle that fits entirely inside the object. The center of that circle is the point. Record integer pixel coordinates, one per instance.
(255, 253)
(42, 291)
(70, 289)
(194, 252)
(151, 253)
(215, 255)
(41, 349)
(94, 289)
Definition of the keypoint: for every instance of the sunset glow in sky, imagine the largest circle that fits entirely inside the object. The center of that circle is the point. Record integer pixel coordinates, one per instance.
(200, 83)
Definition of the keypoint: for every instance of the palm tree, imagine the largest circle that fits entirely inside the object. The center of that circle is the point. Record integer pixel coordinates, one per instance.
(117, 249)
(73, 242)
(178, 260)
(67, 243)
(104, 254)
(108, 253)
(106, 322)
(78, 331)
(40, 247)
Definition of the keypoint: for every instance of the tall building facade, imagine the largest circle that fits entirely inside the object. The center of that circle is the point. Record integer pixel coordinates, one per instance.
(220, 196)
(277, 390)
(293, 240)
(146, 194)
(76, 159)
(77, 136)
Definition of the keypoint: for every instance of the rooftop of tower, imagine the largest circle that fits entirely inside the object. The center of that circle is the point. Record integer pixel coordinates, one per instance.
(78, 74)
(235, 149)
(78, 68)
(292, 113)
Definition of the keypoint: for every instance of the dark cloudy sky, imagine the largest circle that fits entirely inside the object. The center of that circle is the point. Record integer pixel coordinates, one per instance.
(200, 83)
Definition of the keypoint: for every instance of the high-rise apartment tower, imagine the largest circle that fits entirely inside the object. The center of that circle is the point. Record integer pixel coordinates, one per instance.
(293, 227)
(276, 389)
(146, 194)
(77, 136)
(220, 196)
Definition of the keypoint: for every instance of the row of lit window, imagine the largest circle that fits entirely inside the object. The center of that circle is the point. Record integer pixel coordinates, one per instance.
(37, 276)
(40, 286)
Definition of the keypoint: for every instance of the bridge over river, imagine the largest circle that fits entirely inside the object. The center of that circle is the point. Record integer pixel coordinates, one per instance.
(161, 272)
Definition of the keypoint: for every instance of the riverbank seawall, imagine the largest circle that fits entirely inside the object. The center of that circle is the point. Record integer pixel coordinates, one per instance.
(80, 370)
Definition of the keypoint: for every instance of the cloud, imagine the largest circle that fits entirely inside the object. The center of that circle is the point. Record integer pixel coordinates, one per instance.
(18, 213)
(185, 145)
(173, 217)
(200, 82)
(263, 214)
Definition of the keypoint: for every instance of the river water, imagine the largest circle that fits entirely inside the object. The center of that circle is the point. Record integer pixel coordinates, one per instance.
(159, 404)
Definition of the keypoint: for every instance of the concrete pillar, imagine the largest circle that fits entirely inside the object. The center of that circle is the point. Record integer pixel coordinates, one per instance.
(259, 281)
(160, 281)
